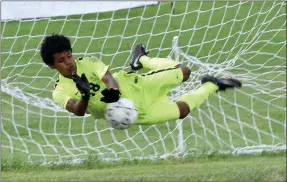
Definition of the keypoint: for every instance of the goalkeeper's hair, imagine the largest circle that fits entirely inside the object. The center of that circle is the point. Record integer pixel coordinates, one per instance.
(53, 44)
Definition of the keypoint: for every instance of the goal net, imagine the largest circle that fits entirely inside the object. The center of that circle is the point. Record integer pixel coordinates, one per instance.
(245, 40)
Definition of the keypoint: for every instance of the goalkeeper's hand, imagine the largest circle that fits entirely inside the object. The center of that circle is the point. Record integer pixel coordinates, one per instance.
(83, 85)
(110, 95)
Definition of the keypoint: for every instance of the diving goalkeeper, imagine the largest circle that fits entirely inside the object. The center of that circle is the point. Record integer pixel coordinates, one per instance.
(85, 85)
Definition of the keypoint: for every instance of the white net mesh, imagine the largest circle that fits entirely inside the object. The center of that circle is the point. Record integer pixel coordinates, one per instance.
(245, 40)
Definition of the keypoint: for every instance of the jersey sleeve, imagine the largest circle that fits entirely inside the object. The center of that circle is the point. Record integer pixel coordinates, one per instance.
(60, 97)
(98, 67)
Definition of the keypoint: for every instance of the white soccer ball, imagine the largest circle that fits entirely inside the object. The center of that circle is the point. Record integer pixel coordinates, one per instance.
(122, 114)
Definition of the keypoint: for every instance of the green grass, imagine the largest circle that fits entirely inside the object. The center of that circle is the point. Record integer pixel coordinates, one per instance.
(228, 120)
(264, 167)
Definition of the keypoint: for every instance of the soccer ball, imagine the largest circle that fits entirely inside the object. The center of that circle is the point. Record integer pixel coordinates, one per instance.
(121, 114)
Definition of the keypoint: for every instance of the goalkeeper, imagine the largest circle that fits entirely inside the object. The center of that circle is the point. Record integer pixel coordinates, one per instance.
(85, 85)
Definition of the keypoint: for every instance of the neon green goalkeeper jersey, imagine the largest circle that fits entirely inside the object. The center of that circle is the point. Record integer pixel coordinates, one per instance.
(147, 91)
(65, 88)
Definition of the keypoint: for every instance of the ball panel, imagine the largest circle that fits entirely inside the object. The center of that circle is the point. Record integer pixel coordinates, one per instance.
(121, 114)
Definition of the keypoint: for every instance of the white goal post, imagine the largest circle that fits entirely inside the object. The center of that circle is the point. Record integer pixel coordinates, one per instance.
(245, 40)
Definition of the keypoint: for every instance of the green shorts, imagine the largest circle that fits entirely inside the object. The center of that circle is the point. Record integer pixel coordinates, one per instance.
(149, 92)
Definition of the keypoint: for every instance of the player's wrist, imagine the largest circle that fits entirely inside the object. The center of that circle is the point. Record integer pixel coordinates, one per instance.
(86, 97)
(113, 88)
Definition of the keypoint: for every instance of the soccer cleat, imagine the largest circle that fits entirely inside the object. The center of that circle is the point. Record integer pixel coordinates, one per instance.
(222, 83)
(139, 51)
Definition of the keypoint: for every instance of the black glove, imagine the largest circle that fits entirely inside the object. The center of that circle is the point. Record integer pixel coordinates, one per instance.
(83, 85)
(110, 95)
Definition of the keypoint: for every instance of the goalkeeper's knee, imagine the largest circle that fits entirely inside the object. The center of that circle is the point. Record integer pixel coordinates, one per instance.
(185, 72)
(183, 109)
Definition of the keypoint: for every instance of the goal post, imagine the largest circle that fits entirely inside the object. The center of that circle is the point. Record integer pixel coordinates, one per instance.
(245, 40)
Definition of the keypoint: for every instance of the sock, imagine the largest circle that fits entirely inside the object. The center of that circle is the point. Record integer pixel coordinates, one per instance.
(197, 97)
(157, 63)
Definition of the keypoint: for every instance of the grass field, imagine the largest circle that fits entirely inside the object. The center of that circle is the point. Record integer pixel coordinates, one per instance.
(212, 168)
(253, 34)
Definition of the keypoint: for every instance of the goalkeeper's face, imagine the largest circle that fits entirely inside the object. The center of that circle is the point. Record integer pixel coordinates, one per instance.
(64, 62)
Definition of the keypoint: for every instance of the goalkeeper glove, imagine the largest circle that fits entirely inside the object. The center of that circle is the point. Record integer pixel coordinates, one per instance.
(83, 85)
(110, 95)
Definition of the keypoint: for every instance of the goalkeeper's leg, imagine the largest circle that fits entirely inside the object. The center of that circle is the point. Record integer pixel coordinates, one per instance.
(158, 65)
(209, 86)
(141, 60)
(164, 110)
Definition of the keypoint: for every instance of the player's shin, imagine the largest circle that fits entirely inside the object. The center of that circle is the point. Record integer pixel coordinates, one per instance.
(197, 97)
(157, 63)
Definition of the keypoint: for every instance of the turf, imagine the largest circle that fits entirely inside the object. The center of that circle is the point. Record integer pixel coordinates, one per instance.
(212, 168)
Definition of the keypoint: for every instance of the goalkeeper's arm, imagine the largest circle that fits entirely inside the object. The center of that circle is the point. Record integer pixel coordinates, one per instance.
(109, 80)
(79, 107)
